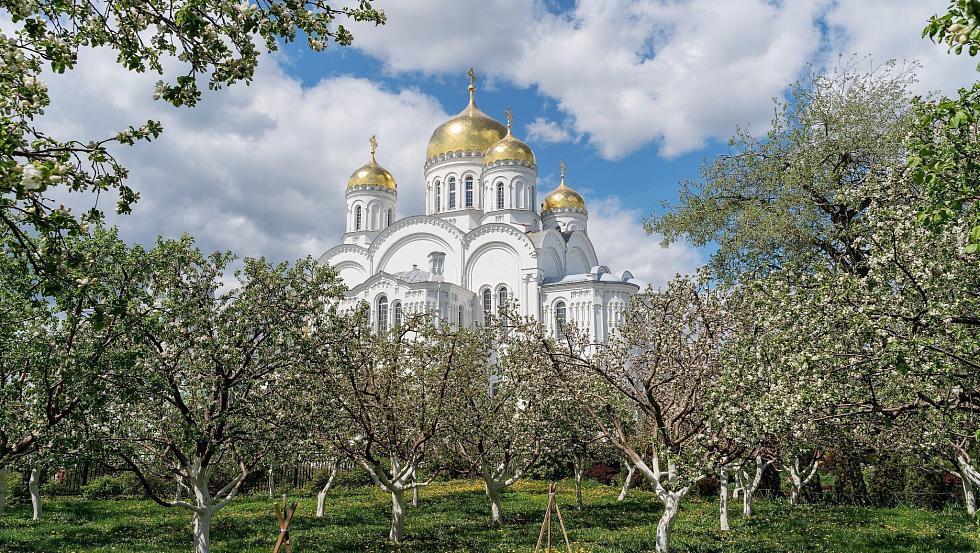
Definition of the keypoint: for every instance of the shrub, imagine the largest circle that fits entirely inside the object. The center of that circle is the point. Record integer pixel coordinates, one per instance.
(112, 487)
(355, 477)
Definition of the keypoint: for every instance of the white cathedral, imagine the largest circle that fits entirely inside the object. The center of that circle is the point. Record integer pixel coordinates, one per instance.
(482, 242)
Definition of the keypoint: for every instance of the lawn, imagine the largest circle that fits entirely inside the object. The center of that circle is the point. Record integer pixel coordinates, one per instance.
(454, 516)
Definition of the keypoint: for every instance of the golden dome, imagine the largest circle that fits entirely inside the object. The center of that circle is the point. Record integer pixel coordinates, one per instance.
(372, 174)
(509, 148)
(563, 196)
(471, 130)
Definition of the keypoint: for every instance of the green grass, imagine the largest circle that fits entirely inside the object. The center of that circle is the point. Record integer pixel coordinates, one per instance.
(454, 516)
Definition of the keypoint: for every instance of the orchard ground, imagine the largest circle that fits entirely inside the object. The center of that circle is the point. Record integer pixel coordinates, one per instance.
(454, 516)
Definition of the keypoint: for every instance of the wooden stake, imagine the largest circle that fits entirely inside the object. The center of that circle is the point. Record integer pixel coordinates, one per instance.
(284, 516)
(546, 524)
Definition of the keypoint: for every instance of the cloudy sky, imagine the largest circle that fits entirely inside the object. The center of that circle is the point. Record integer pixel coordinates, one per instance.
(633, 94)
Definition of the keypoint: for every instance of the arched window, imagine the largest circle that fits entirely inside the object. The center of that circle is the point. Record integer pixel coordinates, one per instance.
(452, 192)
(500, 195)
(382, 314)
(502, 305)
(487, 303)
(357, 218)
(391, 215)
(397, 308)
(459, 318)
(469, 191)
(501, 298)
(438, 198)
(561, 318)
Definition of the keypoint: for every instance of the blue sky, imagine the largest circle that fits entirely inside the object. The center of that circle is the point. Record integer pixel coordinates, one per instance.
(633, 94)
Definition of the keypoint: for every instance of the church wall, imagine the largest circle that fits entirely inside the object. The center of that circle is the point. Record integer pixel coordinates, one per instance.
(414, 249)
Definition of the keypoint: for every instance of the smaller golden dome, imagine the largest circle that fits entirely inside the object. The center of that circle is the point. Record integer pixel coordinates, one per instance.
(372, 174)
(509, 148)
(563, 196)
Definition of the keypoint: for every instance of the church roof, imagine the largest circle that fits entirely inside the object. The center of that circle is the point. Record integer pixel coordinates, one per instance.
(415, 275)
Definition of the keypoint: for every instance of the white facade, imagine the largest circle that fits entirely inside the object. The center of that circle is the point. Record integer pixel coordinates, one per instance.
(481, 242)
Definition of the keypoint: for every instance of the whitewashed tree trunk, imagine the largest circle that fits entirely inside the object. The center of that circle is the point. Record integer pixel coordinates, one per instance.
(969, 497)
(578, 463)
(750, 483)
(202, 505)
(322, 495)
(34, 486)
(202, 530)
(415, 497)
(396, 483)
(723, 499)
(672, 503)
(800, 477)
(493, 488)
(3, 489)
(270, 483)
(969, 487)
(397, 532)
(628, 482)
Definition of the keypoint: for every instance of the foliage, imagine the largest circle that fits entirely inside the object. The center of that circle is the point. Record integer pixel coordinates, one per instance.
(944, 147)
(452, 517)
(55, 343)
(959, 27)
(201, 404)
(187, 42)
(794, 198)
(112, 487)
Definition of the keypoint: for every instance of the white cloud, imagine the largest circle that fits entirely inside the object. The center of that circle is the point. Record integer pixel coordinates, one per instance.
(623, 244)
(543, 130)
(890, 29)
(258, 169)
(678, 73)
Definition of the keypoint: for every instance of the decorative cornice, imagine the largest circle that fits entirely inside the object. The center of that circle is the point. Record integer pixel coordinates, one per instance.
(343, 248)
(563, 210)
(504, 228)
(370, 188)
(408, 222)
(449, 156)
(510, 163)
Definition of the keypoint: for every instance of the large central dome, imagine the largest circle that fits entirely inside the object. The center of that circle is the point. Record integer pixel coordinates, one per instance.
(469, 131)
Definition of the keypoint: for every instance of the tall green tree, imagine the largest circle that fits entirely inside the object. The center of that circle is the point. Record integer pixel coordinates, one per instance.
(792, 198)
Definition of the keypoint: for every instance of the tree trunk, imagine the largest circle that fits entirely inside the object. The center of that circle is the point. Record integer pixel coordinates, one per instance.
(270, 482)
(747, 502)
(628, 482)
(493, 492)
(671, 506)
(723, 499)
(3, 489)
(202, 531)
(795, 485)
(579, 464)
(320, 497)
(969, 494)
(177, 490)
(35, 490)
(415, 497)
(397, 532)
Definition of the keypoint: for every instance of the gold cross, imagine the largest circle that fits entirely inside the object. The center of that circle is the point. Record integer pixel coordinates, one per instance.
(510, 116)
(561, 165)
(374, 145)
(472, 75)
